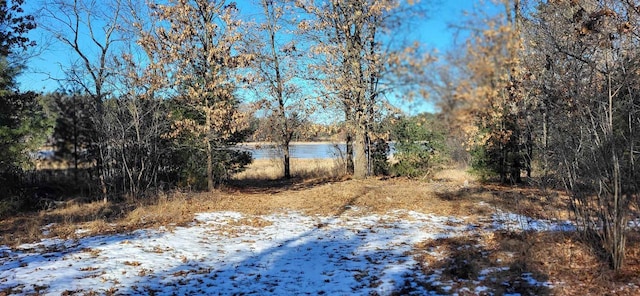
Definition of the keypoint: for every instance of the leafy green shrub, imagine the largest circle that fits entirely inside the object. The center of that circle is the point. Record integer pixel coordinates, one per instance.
(480, 164)
(499, 158)
(379, 159)
(419, 146)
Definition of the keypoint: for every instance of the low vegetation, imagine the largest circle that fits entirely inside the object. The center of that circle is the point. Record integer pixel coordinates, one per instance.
(541, 104)
(553, 256)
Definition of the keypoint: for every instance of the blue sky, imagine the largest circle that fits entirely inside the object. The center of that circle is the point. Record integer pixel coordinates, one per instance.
(433, 31)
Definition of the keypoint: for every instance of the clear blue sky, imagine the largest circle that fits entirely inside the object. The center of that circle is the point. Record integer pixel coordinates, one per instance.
(434, 32)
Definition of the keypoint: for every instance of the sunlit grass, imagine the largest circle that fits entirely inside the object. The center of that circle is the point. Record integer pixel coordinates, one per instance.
(450, 192)
(272, 169)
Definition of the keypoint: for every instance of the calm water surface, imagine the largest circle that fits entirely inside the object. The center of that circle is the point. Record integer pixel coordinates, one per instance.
(298, 150)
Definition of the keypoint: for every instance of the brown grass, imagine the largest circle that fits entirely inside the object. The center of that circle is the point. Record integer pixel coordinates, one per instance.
(318, 188)
(257, 191)
(562, 258)
(272, 169)
(49, 164)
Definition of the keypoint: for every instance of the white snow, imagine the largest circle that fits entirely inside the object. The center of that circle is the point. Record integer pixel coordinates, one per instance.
(223, 254)
(515, 222)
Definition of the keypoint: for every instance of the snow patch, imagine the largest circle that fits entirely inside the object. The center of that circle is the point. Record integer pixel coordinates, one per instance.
(220, 254)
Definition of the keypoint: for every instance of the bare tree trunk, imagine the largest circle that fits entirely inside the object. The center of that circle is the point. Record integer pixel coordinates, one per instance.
(101, 171)
(349, 152)
(286, 160)
(210, 183)
(545, 144)
(360, 153)
(75, 141)
(209, 151)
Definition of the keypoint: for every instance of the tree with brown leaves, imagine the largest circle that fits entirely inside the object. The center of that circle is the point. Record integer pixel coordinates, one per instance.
(358, 64)
(195, 45)
(494, 103)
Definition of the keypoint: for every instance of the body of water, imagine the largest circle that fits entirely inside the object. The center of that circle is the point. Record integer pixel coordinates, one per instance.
(322, 150)
(299, 150)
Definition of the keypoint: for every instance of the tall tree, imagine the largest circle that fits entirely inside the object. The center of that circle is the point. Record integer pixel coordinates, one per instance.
(91, 30)
(24, 124)
(494, 100)
(196, 50)
(354, 41)
(278, 60)
(564, 75)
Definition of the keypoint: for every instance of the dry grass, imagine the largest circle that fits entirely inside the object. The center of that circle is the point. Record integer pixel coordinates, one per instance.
(59, 164)
(272, 169)
(319, 189)
(561, 258)
(257, 191)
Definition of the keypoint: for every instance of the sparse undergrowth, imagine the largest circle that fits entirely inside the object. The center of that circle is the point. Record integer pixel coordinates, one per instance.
(557, 257)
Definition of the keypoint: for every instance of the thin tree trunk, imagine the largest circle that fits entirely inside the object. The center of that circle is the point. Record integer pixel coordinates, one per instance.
(284, 128)
(210, 183)
(545, 144)
(209, 150)
(75, 143)
(101, 171)
(286, 161)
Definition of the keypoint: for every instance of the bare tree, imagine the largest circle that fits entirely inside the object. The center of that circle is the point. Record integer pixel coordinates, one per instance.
(140, 120)
(354, 40)
(278, 60)
(90, 30)
(591, 96)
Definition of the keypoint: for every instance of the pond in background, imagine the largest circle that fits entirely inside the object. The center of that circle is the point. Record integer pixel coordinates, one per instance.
(299, 150)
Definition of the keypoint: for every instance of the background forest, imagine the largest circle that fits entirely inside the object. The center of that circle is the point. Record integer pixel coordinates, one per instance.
(539, 92)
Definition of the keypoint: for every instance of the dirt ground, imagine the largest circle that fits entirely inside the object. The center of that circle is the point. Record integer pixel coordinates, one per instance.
(559, 257)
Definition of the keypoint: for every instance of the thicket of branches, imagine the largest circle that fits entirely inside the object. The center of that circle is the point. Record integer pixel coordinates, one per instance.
(159, 93)
(552, 87)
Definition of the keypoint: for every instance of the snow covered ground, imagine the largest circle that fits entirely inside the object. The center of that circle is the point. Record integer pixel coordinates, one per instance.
(227, 253)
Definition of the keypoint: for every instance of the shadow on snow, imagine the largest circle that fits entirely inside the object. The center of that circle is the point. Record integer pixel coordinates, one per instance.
(318, 261)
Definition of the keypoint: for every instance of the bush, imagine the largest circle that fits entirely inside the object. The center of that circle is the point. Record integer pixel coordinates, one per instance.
(480, 165)
(379, 159)
(419, 146)
(190, 167)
